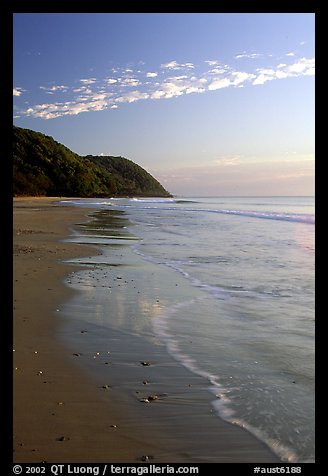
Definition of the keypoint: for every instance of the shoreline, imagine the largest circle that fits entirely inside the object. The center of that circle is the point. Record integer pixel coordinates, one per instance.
(58, 414)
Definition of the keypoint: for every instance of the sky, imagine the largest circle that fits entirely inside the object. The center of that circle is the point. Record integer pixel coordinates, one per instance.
(211, 104)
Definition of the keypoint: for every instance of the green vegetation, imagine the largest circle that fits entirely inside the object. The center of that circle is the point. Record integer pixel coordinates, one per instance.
(44, 167)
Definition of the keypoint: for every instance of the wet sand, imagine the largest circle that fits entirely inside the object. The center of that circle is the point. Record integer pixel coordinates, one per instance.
(61, 413)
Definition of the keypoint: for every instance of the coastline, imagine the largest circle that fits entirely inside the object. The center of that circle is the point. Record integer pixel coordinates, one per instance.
(58, 414)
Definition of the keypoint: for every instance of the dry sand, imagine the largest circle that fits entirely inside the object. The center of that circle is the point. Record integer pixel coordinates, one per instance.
(59, 417)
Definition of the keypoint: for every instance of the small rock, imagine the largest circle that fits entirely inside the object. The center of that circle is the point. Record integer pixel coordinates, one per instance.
(150, 398)
(145, 400)
(62, 438)
(153, 397)
(146, 457)
(145, 363)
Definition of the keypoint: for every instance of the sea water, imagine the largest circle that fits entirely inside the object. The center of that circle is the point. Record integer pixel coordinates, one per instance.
(248, 328)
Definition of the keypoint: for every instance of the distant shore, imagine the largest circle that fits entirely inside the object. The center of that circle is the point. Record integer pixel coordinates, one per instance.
(59, 417)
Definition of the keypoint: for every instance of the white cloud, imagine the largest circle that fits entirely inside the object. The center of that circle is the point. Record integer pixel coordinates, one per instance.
(302, 67)
(240, 77)
(179, 85)
(170, 65)
(129, 82)
(218, 71)
(169, 89)
(86, 90)
(96, 94)
(17, 91)
(212, 62)
(177, 66)
(281, 74)
(264, 76)
(53, 89)
(290, 54)
(131, 96)
(219, 84)
(88, 81)
(195, 89)
(247, 55)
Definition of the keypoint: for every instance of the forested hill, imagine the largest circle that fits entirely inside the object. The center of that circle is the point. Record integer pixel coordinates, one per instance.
(44, 167)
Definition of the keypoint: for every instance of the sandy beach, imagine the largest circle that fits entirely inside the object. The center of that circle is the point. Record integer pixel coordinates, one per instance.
(60, 415)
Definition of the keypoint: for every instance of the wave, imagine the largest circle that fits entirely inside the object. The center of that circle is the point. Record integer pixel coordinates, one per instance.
(268, 215)
(154, 203)
(162, 200)
(152, 200)
(294, 217)
(88, 204)
(222, 403)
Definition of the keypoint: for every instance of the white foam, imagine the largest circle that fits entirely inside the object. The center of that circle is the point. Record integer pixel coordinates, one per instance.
(222, 403)
(160, 326)
(268, 215)
(152, 200)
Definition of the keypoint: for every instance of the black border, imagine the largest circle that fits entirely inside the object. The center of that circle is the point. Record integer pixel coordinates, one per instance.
(7, 9)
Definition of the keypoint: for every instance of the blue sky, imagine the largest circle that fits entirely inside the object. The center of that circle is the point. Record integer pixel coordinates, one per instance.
(210, 104)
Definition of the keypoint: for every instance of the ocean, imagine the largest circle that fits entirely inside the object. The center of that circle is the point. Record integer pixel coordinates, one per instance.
(244, 319)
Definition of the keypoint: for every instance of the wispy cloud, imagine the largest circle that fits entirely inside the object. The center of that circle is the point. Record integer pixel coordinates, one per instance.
(228, 161)
(88, 81)
(177, 66)
(248, 55)
(53, 89)
(302, 67)
(211, 62)
(17, 91)
(172, 79)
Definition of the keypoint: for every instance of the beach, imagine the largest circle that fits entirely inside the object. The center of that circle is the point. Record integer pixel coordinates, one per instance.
(58, 415)
(63, 413)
